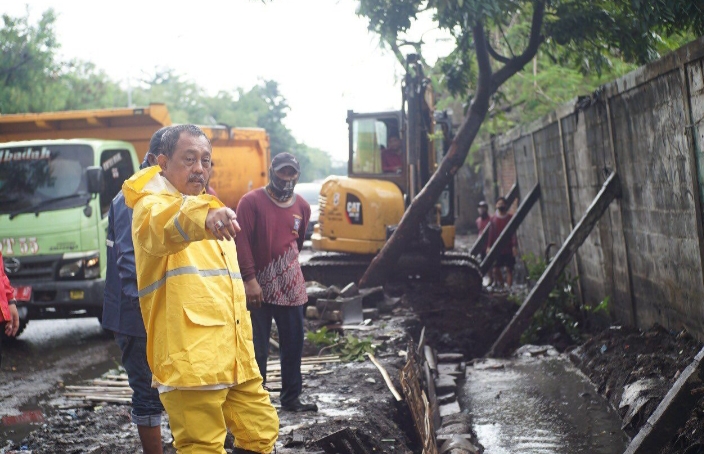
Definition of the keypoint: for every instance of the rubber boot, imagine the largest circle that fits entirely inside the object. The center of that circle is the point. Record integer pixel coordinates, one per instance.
(244, 451)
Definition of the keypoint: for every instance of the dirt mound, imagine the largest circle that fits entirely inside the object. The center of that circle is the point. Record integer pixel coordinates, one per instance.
(634, 370)
(456, 321)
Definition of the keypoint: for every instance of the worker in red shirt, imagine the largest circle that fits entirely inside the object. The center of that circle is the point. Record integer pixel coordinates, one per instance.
(274, 221)
(484, 219)
(391, 157)
(507, 255)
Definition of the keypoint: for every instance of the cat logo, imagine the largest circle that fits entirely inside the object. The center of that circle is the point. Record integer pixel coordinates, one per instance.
(354, 210)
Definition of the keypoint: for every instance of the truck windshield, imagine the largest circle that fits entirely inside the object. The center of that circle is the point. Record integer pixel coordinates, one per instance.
(31, 176)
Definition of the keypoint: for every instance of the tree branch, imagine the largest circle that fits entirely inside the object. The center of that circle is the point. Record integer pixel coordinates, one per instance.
(483, 62)
(501, 29)
(496, 56)
(536, 38)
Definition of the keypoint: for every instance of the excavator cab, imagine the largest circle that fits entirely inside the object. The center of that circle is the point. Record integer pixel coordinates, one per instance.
(392, 155)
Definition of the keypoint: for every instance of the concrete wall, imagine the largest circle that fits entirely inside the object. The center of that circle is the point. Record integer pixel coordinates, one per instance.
(468, 193)
(646, 252)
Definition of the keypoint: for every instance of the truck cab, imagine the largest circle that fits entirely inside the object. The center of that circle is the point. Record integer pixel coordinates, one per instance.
(54, 200)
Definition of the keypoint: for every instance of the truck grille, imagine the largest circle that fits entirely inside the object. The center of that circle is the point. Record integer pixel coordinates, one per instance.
(31, 268)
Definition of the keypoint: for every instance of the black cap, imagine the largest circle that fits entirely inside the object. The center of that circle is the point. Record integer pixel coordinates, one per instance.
(282, 160)
(483, 204)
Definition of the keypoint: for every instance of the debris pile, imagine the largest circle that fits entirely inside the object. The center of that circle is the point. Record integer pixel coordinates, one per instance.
(429, 381)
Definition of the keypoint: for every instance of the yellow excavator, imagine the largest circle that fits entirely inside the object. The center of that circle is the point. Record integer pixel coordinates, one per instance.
(359, 212)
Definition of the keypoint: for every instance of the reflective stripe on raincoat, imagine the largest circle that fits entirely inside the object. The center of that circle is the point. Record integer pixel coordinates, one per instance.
(190, 289)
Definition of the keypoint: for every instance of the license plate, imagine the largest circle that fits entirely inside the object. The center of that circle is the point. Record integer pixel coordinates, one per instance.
(23, 293)
(76, 294)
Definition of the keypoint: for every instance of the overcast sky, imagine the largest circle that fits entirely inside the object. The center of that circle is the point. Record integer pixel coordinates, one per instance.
(319, 51)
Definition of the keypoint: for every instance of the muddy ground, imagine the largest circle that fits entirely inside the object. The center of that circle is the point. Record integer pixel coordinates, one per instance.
(354, 395)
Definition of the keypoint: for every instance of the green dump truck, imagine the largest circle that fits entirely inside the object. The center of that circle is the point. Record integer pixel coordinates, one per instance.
(54, 199)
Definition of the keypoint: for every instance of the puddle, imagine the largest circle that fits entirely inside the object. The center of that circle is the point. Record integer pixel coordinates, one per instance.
(30, 416)
(542, 406)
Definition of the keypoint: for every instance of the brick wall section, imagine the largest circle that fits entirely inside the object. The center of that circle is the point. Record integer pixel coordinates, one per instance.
(608, 239)
(659, 220)
(584, 182)
(531, 236)
(553, 199)
(646, 251)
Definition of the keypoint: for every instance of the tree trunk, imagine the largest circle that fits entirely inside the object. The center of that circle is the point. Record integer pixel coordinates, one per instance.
(487, 84)
(383, 263)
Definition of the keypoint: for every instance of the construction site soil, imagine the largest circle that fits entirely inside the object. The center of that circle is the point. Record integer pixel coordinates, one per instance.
(354, 395)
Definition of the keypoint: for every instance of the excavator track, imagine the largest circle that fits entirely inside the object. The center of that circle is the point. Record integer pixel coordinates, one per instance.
(455, 268)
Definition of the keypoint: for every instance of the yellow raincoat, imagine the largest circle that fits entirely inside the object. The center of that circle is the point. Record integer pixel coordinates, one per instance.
(190, 291)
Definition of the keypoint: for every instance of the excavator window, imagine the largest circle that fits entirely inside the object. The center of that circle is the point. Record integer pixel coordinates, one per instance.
(376, 143)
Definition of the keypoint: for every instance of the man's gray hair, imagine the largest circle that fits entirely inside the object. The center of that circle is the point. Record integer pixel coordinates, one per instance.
(171, 136)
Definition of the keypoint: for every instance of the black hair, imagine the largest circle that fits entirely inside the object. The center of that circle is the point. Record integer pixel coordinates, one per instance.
(173, 133)
(502, 198)
(155, 142)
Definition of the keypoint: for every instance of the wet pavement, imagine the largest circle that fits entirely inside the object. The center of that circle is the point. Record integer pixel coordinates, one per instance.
(539, 405)
(47, 355)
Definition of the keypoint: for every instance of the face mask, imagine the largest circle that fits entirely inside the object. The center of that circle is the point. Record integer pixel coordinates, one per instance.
(280, 189)
(502, 209)
(483, 214)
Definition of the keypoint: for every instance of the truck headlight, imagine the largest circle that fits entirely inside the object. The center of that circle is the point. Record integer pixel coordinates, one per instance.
(75, 267)
(92, 267)
(71, 270)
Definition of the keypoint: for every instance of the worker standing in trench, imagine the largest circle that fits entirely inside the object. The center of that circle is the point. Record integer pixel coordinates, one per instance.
(507, 256)
(274, 222)
(199, 333)
(121, 314)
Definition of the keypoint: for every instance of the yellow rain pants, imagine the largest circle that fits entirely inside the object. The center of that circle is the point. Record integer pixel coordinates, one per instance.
(199, 419)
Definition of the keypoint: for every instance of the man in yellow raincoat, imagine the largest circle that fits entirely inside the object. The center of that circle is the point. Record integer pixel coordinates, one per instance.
(199, 333)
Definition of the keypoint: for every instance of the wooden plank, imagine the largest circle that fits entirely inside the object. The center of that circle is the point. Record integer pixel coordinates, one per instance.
(609, 191)
(418, 404)
(387, 379)
(511, 228)
(110, 383)
(672, 413)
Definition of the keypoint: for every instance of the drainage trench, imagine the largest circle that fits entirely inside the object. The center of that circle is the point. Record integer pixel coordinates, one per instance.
(539, 405)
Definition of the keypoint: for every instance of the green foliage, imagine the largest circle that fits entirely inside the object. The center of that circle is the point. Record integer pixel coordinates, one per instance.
(562, 310)
(322, 337)
(349, 348)
(354, 349)
(583, 45)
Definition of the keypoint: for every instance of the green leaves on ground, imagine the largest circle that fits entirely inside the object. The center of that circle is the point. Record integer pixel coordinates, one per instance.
(349, 348)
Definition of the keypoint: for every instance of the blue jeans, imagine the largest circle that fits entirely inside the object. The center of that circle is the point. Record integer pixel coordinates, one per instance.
(146, 406)
(289, 321)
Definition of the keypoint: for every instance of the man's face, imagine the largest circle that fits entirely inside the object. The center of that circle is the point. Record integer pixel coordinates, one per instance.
(482, 210)
(501, 206)
(188, 169)
(394, 144)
